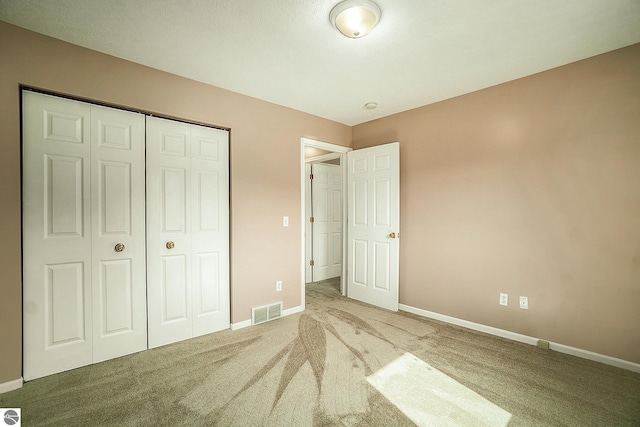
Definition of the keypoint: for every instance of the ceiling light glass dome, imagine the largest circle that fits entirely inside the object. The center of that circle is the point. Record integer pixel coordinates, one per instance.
(355, 18)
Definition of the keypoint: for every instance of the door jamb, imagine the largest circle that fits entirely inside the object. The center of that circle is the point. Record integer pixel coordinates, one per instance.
(342, 151)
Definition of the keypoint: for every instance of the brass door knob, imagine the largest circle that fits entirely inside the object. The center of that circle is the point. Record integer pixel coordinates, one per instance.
(170, 245)
(119, 247)
(392, 235)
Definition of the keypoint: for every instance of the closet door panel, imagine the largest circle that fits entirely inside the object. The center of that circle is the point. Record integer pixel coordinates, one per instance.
(207, 284)
(174, 200)
(209, 163)
(115, 289)
(118, 206)
(169, 290)
(174, 289)
(63, 199)
(64, 304)
(57, 311)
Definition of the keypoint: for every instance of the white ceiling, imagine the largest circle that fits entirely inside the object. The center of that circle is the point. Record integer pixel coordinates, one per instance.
(287, 52)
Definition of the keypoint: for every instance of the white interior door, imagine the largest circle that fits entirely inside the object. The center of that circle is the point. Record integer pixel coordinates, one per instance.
(82, 303)
(326, 191)
(373, 182)
(187, 230)
(118, 224)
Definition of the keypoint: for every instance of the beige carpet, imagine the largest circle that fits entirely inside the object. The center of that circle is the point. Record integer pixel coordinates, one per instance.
(339, 363)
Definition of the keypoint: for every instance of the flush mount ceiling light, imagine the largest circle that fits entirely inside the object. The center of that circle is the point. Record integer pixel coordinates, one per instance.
(355, 18)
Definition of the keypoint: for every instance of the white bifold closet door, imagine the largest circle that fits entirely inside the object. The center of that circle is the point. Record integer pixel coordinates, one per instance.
(187, 230)
(83, 234)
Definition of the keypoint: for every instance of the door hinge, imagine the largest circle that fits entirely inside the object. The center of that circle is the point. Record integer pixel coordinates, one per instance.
(312, 219)
(312, 263)
(311, 176)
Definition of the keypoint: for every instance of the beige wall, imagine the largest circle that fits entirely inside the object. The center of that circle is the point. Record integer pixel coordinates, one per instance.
(265, 165)
(530, 188)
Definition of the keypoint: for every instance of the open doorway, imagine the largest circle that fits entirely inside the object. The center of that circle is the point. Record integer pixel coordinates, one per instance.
(324, 224)
(328, 258)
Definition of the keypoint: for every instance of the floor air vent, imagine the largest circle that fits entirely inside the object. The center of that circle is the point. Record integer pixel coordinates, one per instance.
(266, 313)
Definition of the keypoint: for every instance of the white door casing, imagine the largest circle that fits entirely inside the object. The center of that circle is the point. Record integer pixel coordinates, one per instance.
(373, 182)
(187, 230)
(338, 151)
(83, 169)
(326, 190)
(308, 233)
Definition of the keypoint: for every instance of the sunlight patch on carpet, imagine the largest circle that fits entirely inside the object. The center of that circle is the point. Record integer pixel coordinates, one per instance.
(430, 398)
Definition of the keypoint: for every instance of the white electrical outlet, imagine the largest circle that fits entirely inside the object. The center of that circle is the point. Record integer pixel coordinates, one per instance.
(285, 221)
(504, 299)
(279, 285)
(524, 303)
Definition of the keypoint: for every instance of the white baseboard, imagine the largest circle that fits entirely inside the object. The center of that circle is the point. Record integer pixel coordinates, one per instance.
(585, 354)
(596, 357)
(240, 325)
(292, 310)
(247, 323)
(11, 385)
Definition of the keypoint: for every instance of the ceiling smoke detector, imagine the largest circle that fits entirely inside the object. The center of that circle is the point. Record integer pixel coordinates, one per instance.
(355, 18)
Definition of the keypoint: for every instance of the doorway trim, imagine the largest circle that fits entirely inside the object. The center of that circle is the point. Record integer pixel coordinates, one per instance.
(341, 151)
